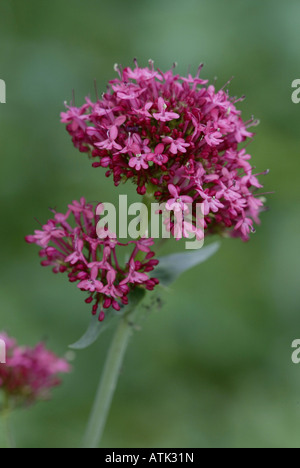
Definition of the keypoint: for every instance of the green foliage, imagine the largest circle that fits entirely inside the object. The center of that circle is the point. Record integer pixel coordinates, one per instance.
(171, 267)
(96, 328)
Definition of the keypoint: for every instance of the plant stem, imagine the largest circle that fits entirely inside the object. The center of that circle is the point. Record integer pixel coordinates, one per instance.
(5, 435)
(109, 378)
(108, 383)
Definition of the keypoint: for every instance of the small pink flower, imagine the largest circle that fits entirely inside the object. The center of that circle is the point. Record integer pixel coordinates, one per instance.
(110, 143)
(49, 232)
(158, 157)
(142, 74)
(178, 145)
(255, 205)
(163, 115)
(134, 276)
(245, 225)
(251, 180)
(139, 161)
(29, 373)
(82, 208)
(144, 111)
(178, 203)
(77, 255)
(210, 203)
(241, 132)
(111, 289)
(75, 116)
(127, 91)
(92, 284)
(213, 137)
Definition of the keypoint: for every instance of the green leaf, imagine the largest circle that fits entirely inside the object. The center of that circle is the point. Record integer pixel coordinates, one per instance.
(95, 327)
(171, 267)
(94, 330)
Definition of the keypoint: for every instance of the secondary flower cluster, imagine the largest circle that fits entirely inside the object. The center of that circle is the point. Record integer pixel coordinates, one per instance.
(176, 135)
(91, 258)
(29, 373)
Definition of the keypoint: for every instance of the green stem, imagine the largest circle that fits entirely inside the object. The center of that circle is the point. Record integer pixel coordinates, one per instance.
(5, 435)
(114, 361)
(108, 383)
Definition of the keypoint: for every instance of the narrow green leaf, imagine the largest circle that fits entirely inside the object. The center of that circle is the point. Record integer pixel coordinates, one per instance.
(95, 327)
(173, 266)
(94, 330)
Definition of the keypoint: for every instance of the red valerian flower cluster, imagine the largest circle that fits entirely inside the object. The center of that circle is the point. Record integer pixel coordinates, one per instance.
(177, 135)
(92, 261)
(29, 373)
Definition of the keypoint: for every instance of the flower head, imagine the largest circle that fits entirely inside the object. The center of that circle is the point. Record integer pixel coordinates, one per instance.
(162, 129)
(29, 373)
(91, 258)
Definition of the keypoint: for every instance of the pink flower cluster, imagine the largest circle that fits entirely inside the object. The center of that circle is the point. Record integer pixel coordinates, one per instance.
(29, 373)
(92, 261)
(173, 133)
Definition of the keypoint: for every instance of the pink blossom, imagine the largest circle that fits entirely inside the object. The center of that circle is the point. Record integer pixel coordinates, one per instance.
(251, 180)
(110, 143)
(241, 132)
(111, 289)
(163, 115)
(82, 208)
(141, 74)
(187, 130)
(245, 225)
(178, 203)
(176, 145)
(76, 116)
(134, 276)
(92, 261)
(29, 373)
(144, 111)
(158, 157)
(77, 255)
(92, 284)
(213, 137)
(139, 161)
(127, 91)
(49, 232)
(210, 204)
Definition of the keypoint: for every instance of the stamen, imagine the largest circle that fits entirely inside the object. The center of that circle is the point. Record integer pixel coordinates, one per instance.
(199, 69)
(151, 64)
(228, 83)
(38, 221)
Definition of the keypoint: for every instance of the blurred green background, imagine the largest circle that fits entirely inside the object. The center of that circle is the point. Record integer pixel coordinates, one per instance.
(213, 367)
